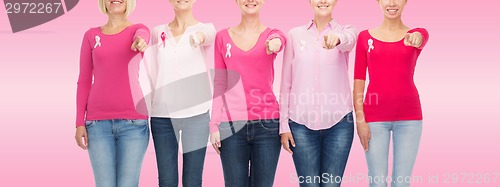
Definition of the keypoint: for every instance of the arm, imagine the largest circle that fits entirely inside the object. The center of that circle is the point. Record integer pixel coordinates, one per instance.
(275, 42)
(84, 80)
(140, 38)
(417, 38)
(360, 68)
(220, 85)
(208, 33)
(83, 90)
(286, 86)
(151, 64)
(347, 36)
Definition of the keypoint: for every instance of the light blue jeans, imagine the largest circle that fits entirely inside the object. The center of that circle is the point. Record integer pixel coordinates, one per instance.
(116, 150)
(406, 140)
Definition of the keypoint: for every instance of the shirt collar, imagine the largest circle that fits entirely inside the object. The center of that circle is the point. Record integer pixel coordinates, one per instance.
(330, 24)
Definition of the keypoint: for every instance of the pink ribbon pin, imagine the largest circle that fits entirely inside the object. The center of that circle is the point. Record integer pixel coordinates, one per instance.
(163, 37)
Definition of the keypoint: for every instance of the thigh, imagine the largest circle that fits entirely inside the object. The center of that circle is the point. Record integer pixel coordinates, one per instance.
(406, 142)
(131, 144)
(102, 152)
(166, 149)
(194, 144)
(336, 146)
(378, 152)
(265, 151)
(235, 154)
(195, 132)
(306, 153)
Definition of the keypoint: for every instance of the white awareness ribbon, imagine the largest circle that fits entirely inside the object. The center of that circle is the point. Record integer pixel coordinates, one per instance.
(302, 45)
(228, 50)
(97, 42)
(370, 45)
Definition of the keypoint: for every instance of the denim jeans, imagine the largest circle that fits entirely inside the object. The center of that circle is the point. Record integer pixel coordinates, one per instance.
(249, 152)
(193, 132)
(116, 150)
(320, 156)
(406, 139)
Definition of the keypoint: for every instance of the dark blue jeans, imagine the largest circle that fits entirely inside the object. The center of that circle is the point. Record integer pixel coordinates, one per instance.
(194, 138)
(249, 152)
(320, 156)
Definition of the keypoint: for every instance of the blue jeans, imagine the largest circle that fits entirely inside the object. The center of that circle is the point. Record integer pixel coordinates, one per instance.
(249, 152)
(406, 140)
(320, 156)
(116, 150)
(194, 136)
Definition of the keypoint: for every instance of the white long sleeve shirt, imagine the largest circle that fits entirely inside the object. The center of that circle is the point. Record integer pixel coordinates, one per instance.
(179, 72)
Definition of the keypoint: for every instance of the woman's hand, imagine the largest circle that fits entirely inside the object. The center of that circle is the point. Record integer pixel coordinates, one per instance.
(139, 44)
(286, 140)
(364, 134)
(273, 46)
(331, 41)
(413, 39)
(81, 133)
(197, 39)
(215, 140)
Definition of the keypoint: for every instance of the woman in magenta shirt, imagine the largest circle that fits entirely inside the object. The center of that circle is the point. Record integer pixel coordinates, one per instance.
(108, 124)
(392, 103)
(245, 112)
(316, 126)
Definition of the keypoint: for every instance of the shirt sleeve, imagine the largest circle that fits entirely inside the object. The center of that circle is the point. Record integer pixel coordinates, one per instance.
(84, 79)
(150, 60)
(286, 84)
(360, 64)
(425, 36)
(209, 32)
(220, 84)
(275, 33)
(347, 36)
(143, 32)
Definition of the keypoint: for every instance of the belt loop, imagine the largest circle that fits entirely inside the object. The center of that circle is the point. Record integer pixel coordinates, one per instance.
(232, 127)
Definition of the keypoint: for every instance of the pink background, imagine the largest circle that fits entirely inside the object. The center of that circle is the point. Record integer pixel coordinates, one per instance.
(457, 76)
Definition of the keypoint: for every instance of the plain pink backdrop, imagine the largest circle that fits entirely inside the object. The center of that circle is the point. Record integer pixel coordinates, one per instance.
(457, 76)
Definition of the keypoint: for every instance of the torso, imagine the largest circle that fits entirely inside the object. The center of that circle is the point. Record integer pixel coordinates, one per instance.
(389, 35)
(245, 40)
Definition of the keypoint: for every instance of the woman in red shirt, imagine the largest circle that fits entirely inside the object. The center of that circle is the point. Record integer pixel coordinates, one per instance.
(392, 103)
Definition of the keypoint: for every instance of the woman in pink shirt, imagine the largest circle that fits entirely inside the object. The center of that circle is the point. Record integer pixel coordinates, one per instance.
(108, 124)
(392, 103)
(245, 112)
(316, 122)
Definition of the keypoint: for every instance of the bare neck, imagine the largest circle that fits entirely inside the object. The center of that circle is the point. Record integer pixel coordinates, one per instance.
(321, 22)
(183, 19)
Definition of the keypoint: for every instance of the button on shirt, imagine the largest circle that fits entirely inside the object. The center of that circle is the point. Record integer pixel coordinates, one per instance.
(315, 89)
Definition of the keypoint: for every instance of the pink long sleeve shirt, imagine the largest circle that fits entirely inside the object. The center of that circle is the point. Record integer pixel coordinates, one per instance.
(109, 76)
(315, 87)
(243, 80)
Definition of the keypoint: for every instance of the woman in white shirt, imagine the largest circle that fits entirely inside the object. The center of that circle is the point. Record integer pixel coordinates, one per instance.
(181, 96)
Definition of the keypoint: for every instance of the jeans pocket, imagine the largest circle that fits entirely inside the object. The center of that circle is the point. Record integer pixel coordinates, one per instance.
(90, 123)
(270, 125)
(138, 122)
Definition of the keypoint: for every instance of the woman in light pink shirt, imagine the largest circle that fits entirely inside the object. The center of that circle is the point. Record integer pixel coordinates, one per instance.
(108, 122)
(245, 112)
(316, 123)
